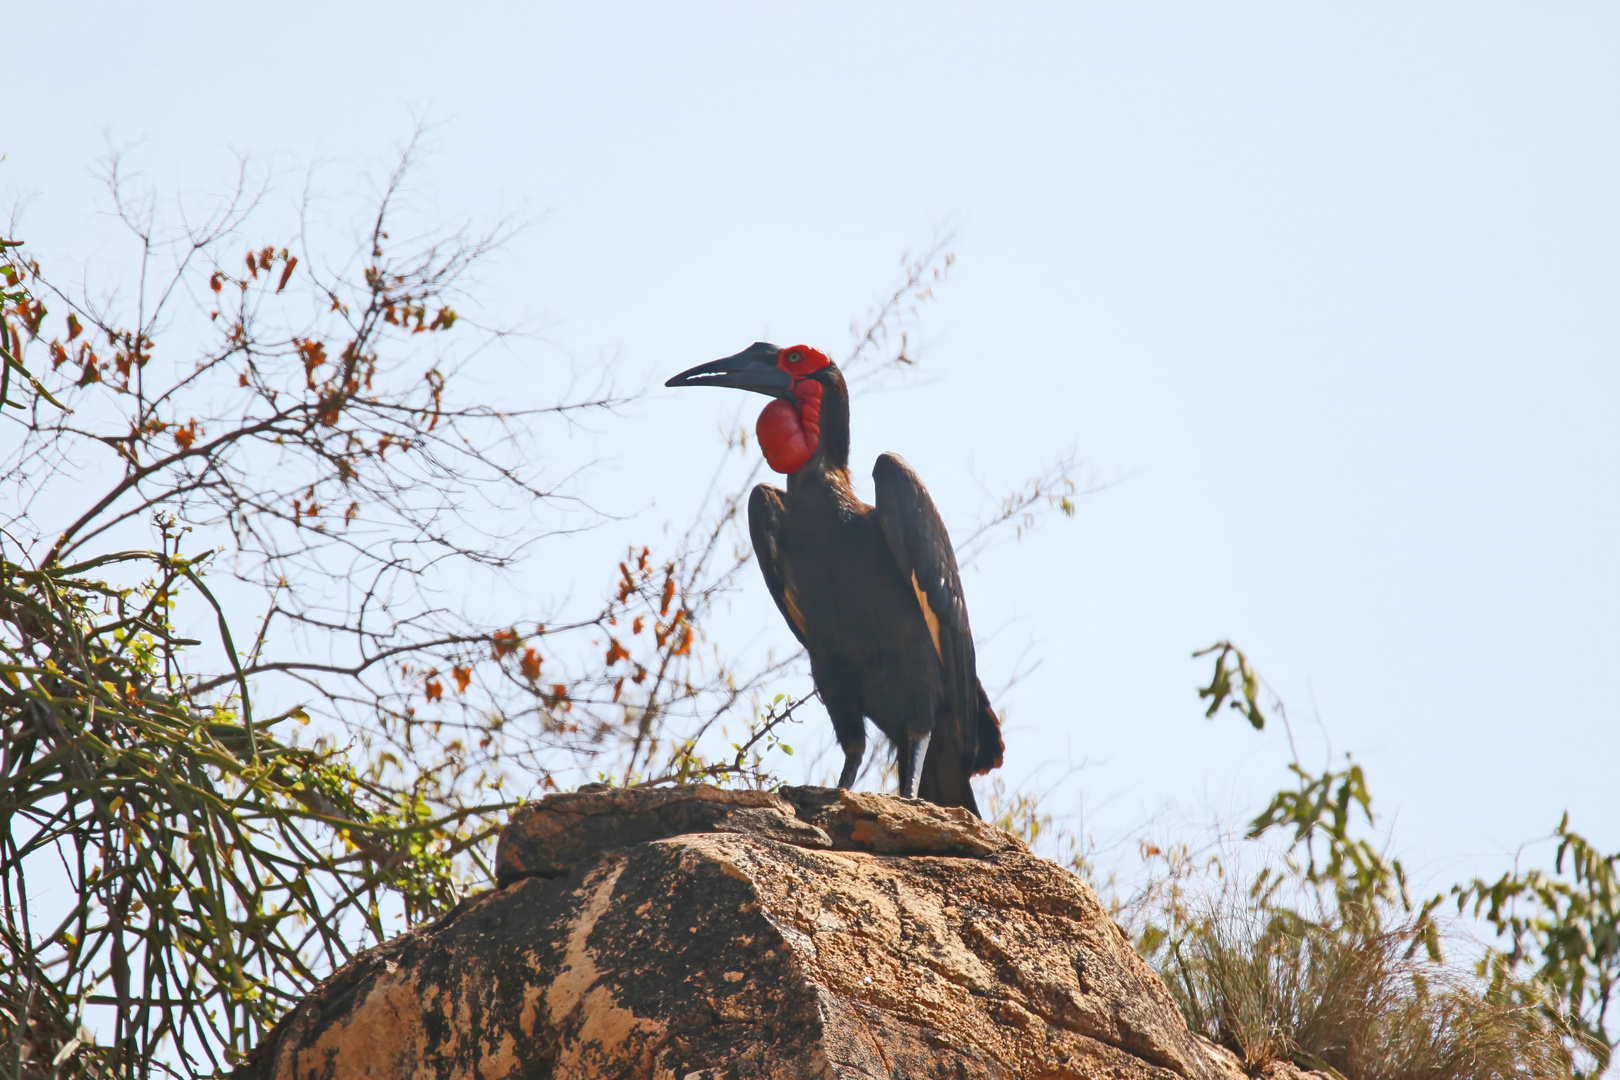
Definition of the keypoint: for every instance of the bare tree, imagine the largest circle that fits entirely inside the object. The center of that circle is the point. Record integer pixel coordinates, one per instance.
(304, 447)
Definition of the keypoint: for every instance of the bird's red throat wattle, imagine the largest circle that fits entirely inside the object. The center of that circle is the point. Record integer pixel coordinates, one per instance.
(790, 430)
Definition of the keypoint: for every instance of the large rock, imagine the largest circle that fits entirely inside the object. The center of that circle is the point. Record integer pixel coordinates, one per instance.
(699, 934)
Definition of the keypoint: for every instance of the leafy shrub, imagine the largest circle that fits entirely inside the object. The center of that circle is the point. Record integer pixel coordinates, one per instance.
(1323, 958)
(1333, 996)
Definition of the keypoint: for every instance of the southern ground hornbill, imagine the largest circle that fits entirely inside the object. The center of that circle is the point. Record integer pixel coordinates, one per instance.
(872, 592)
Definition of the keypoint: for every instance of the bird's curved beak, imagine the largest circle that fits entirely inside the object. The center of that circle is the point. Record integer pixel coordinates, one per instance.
(752, 369)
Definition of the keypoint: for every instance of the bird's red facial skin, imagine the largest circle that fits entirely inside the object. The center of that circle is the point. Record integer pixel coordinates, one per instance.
(789, 432)
(801, 360)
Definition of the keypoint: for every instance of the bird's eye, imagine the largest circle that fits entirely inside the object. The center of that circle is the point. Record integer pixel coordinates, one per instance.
(800, 361)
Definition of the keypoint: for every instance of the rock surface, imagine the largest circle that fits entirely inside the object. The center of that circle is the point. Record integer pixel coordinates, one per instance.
(699, 934)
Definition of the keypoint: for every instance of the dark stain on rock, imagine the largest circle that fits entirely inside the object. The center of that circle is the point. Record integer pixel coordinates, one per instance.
(698, 934)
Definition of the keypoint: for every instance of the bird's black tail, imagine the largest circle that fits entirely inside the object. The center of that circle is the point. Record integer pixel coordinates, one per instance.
(944, 780)
(950, 763)
(988, 746)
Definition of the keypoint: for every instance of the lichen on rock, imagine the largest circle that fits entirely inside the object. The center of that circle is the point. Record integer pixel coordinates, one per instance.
(699, 934)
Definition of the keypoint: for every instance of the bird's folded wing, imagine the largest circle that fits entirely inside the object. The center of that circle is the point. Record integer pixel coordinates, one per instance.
(922, 549)
(765, 511)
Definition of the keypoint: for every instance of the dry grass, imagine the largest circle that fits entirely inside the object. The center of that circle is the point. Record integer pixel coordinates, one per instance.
(1363, 1004)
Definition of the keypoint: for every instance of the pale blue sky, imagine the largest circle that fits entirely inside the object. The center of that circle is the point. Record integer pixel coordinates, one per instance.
(1334, 293)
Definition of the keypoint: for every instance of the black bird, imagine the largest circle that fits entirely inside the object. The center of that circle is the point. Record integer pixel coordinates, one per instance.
(872, 592)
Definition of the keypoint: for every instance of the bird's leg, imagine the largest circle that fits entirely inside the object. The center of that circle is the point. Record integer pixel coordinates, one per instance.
(911, 764)
(844, 710)
(852, 764)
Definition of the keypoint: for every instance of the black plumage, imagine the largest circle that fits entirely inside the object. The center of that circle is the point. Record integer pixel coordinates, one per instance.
(872, 592)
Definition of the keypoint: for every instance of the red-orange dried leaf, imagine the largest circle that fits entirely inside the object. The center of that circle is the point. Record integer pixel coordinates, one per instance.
(253, 266)
(669, 594)
(286, 273)
(635, 627)
(313, 354)
(530, 665)
(186, 434)
(435, 689)
(74, 329)
(216, 280)
(506, 641)
(618, 688)
(463, 676)
(663, 632)
(616, 652)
